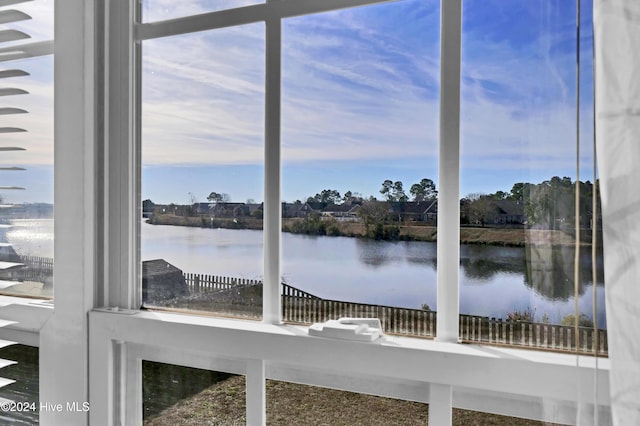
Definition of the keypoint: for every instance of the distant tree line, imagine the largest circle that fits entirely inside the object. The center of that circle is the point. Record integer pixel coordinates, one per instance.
(547, 205)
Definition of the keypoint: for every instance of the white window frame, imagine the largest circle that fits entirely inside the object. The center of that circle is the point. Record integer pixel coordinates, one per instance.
(92, 353)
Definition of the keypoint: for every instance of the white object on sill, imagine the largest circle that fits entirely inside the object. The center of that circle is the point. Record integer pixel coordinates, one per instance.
(360, 329)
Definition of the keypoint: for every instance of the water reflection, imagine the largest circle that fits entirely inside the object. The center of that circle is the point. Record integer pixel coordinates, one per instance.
(31, 237)
(380, 253)
(483, 270)
(493, 280)
(482, 263)
(546, 270)
(549, 271)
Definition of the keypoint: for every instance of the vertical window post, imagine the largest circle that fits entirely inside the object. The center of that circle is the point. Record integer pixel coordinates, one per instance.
(440, 403)
(256, 395)
(122, 149)
(64, 364)
(449, 172)
(272, 174)
(448, 245)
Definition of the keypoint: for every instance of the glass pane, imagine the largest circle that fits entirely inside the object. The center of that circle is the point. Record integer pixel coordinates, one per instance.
(467, 417)
(24, 392)
(176, 395)
(26, 168)
(292, 403)
(161, 10)
(359, 134)
(202, 171)
(518, 176)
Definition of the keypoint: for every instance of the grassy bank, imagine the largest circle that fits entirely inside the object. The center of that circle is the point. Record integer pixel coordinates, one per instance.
(514, 237)
(205, 222)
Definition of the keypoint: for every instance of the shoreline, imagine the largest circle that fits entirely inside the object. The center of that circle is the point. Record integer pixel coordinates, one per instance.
(505, 237)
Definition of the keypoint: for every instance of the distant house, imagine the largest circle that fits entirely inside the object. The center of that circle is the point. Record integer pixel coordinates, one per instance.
(167, 209)
(229, 210)
(508, 212)
(415, 211)
(253, 207)
(309, 208)
(342, 212)
(431, 214)
(202, 208)
(290, 210)
(8, 253)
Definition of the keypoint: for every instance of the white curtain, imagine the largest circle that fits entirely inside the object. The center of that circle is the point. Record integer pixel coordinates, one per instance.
(617, 50)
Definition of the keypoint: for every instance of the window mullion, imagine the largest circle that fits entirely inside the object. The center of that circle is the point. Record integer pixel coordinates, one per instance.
(272, 174)
(64, 366)
(123, 209)
(448, 243)
(256, 395)
(448, 256)
(440, 403)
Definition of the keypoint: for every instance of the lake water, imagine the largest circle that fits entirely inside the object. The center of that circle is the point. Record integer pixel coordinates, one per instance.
(494, 280)
(30, 237)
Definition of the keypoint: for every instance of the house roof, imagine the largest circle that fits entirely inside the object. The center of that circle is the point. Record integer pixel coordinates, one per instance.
(158, 267)
(340, 208)
(415, 207)
(313, 205)
(255, 206)
(199, 205)
(509, 207)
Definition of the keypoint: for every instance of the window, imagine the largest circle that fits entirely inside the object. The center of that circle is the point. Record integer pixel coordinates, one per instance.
(518, 179)
(202, 164)
(120, 335)
(26, 141)
(336, 125)
(359, 131)
(176, 394)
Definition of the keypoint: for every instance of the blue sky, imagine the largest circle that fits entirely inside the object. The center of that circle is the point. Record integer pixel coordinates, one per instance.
(360, 95)
(360, 101)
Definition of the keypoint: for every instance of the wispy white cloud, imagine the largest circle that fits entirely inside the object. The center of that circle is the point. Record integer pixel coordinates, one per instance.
(363, 85)
(203, 98)
(367, 99)
(519, 92)
(358, 85)
(161, 10)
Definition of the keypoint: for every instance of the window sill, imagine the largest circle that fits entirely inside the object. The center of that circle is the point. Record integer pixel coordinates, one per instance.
(520, 372)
